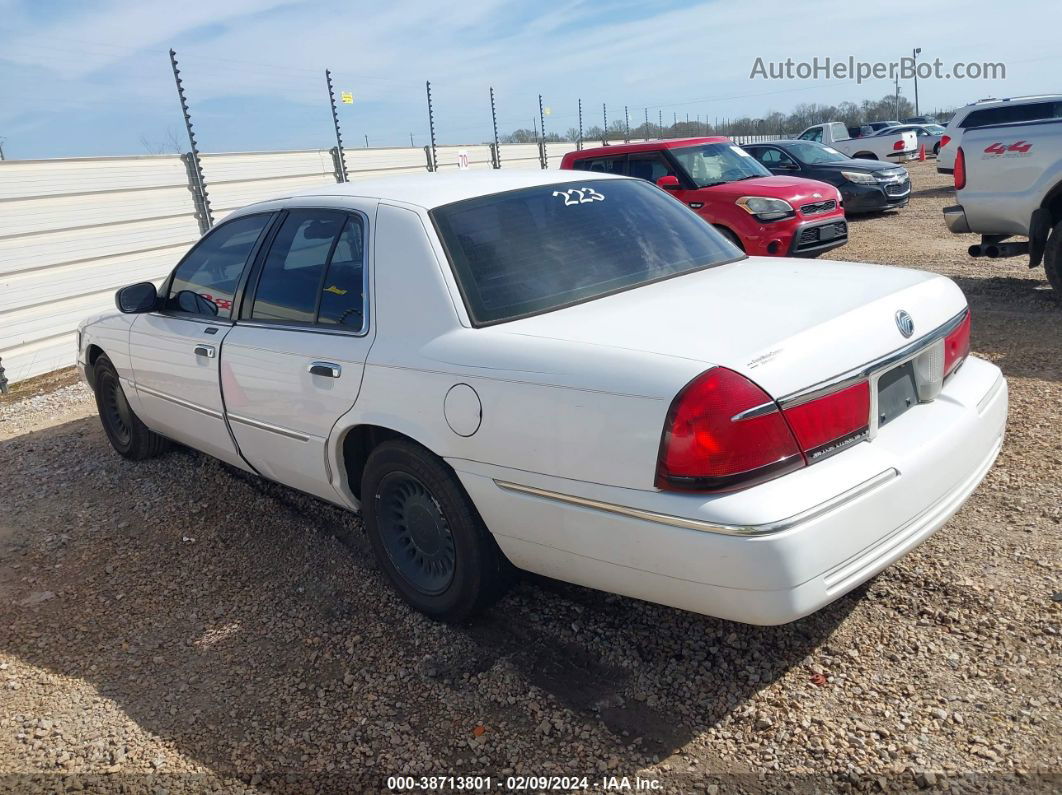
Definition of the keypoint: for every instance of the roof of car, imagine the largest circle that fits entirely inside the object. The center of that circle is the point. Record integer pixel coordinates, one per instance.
(647, 146)
(430, 190)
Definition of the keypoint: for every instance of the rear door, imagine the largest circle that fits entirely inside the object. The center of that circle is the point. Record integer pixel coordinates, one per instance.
(293, 362)
(174, 352)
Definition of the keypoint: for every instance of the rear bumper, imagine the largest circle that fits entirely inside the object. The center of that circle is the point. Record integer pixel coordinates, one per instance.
(945, 170)
(955, 218)
(780, 550)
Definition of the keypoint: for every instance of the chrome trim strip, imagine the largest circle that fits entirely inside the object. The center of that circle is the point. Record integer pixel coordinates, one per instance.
(311, 329)
(178, 401)
(265, 426)
(885, 362)
(757, 531)
(755, 411)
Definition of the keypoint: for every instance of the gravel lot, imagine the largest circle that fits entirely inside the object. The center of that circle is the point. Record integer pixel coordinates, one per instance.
(179, 624)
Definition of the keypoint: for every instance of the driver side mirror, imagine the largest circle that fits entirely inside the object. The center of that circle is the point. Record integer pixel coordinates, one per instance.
(136, 298)
(669, 183)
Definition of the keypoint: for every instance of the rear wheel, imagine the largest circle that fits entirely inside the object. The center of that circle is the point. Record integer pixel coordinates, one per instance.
(865, 156)
(126, 433)
(1053, 260)
(427, 536)
(936, 149)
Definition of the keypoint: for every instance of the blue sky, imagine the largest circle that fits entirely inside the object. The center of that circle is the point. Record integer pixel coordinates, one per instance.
(93, 77)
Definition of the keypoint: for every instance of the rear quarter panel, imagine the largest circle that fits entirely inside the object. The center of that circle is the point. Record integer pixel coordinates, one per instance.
(1010, 169)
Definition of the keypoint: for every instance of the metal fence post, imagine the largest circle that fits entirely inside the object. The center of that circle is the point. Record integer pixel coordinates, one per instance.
(604, 120)
(626, 125)
(335, 121)
(199, 190)
(433, 160)
(543, 158)
(579, 143)
(337, 164)
(495, 152)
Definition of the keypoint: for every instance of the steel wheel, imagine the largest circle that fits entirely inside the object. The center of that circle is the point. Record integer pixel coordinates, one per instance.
(116, 411)
(415, 533)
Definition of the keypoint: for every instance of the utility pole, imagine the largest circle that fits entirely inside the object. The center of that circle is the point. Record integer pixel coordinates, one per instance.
(896, 104)
(914, 57)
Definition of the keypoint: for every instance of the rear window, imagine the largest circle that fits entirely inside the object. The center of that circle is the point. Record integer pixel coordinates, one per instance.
(538, 249)
(1008, 114)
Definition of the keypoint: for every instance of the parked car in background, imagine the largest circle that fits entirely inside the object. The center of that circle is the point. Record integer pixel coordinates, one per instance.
(877, 126)
(1008, 181)
(564, 371)
(993, 111)
(865, 185)
(760, 213)
(899, 147)
(921, 120)
(927, 135)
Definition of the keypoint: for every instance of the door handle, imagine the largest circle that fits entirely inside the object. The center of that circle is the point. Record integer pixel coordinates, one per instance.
(205, 351)
(326, 369)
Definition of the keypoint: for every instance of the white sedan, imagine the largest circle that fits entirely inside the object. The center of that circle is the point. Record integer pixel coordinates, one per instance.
(568, 374)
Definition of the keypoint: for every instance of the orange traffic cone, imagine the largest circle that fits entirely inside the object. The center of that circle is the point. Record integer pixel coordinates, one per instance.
(922, 153)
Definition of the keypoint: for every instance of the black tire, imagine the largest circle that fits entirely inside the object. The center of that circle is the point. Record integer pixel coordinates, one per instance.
(1053, 260)
(427, 536)
(130, 437)
(730, 236)
(936, 149)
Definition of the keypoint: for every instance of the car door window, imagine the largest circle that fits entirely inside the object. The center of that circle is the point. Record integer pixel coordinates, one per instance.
(649, 166)
(292, 273)
(342, 300)
(204, 283)
(605, 165)
(773, 158)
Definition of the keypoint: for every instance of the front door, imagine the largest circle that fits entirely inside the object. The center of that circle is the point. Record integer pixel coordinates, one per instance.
(292, 365)
(175, 351)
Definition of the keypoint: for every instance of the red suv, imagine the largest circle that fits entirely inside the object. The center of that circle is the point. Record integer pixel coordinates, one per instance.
(762, 213)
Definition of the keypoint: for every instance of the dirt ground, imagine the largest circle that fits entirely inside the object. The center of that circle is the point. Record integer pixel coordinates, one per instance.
(177, 625)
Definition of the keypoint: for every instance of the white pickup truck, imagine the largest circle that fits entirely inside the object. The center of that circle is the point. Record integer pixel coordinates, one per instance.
(1008, 181)
(897, 148)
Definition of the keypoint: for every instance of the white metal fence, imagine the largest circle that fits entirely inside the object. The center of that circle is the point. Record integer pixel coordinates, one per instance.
(74, 230)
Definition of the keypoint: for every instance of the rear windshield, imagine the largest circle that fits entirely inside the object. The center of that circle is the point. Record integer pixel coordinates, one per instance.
(538, 249)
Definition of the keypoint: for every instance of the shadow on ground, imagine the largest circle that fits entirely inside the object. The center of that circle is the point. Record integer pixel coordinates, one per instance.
(243, 622)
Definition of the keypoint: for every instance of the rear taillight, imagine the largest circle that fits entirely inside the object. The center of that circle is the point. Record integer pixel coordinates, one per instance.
(900, 145)
(960, 169)
(723, 432)
(826, 423)
(944, 139)
(957, 344)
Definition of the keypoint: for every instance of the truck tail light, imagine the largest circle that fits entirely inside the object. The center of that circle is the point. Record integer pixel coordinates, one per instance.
(833, 420)
(957, 344)
(960, 169)
(944, 140)
(722, 433)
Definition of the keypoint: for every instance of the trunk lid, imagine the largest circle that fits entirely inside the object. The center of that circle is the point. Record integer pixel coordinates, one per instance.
(787, 324)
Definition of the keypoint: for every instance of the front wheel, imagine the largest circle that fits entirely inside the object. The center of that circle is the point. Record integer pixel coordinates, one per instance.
(126, 433)
(427, 536)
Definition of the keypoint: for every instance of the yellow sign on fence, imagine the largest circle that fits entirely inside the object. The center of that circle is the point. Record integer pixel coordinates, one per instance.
(347, 98)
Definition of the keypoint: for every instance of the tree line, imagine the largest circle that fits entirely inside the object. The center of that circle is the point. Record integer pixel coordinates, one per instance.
(851, 114)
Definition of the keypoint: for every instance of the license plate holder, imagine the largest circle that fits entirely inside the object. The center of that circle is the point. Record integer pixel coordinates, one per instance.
(827, 232)
(897, 392)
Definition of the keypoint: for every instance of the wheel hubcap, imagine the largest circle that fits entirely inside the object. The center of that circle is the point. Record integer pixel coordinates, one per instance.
(415, 533)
